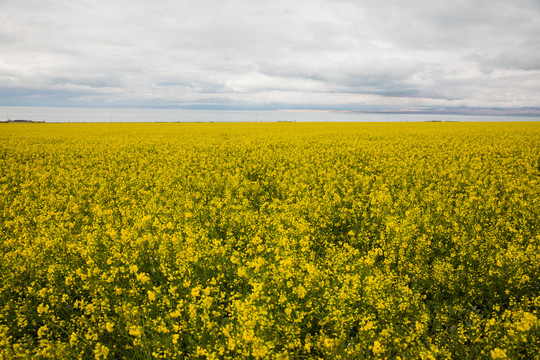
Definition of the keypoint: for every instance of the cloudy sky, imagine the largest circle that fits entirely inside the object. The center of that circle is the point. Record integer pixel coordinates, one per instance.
(279, 54)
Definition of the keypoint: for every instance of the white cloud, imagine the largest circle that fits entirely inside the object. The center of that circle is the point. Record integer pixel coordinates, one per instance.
(344, 53)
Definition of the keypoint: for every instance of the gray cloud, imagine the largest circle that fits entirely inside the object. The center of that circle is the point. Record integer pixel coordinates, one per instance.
(240, 53)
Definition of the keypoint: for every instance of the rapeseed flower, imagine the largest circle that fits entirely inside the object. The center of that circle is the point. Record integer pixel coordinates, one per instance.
(230, 241)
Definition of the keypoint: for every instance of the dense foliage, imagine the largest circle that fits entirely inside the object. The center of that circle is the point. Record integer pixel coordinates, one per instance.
(280, 241)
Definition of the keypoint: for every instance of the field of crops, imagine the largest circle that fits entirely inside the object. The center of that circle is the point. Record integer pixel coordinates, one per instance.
(278, 241)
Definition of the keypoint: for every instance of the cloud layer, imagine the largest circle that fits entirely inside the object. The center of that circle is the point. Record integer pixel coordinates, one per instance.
(335, 54)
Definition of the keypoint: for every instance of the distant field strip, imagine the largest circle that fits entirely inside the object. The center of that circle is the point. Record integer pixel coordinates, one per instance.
(270, 241)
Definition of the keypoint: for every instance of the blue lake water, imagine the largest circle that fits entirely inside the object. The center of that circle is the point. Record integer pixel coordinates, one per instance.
(62, 115)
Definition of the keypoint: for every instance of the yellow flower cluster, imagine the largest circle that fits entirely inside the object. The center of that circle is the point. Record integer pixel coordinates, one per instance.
(270, 241)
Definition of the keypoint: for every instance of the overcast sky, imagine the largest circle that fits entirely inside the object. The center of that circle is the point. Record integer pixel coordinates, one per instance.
(254, 54)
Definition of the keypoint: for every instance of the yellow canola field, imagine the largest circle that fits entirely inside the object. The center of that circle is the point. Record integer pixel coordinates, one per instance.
(270, 241)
